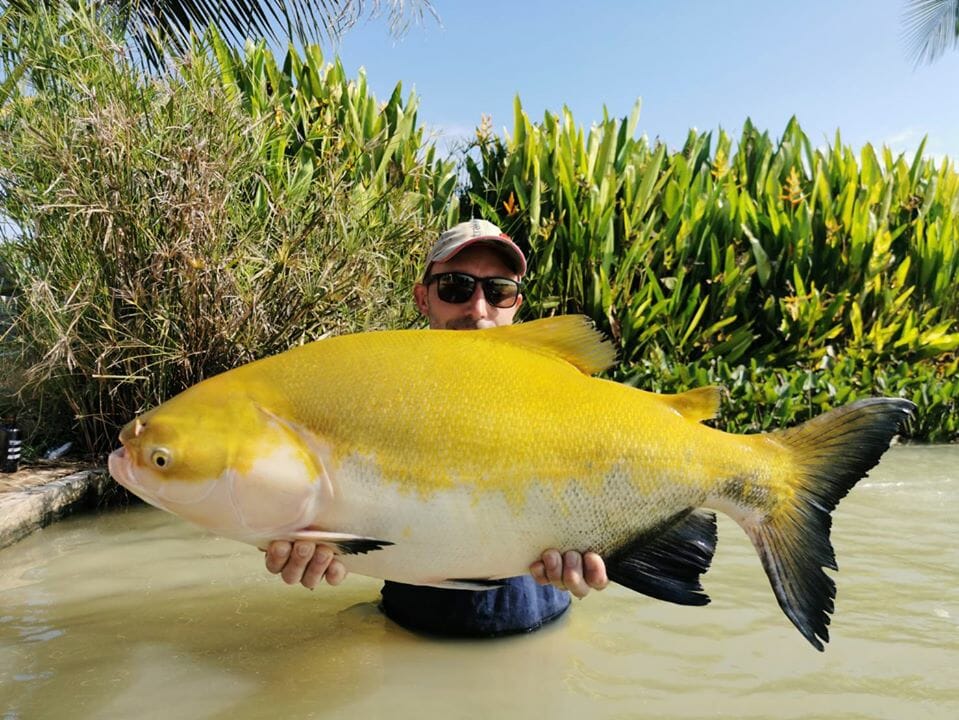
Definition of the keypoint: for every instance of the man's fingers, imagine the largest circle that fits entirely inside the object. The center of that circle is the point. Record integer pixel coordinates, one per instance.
(300, 557)
(317, 567)
(538, 571)
(553, 567)
(573, 574)
(571, 571)
(336, 572)
(276, 555)
(594, 571)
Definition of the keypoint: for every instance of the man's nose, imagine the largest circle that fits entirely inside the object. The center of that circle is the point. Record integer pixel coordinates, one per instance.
(477, 304)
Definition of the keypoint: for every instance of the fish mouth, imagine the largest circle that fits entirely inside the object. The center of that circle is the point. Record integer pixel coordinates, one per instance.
(120, 469)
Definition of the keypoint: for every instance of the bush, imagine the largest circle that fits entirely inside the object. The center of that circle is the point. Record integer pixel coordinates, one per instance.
(770, 260)
(164, 229)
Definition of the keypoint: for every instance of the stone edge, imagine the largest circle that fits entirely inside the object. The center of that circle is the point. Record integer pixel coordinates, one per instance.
(37, 506)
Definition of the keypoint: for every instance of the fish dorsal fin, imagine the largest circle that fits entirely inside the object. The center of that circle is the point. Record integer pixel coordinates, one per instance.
(574, 338)
(696, 405)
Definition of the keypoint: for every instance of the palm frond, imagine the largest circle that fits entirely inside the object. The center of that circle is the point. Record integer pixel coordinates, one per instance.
(931, 28)
(170, 21)
(153, 26)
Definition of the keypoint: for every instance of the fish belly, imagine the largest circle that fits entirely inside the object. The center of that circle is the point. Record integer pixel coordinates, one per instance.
(466, 533)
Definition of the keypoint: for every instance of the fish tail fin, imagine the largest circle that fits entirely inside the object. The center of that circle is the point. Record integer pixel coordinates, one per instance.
(830, 453)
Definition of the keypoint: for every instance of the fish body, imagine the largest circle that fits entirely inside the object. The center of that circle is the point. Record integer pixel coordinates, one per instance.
(455, 458)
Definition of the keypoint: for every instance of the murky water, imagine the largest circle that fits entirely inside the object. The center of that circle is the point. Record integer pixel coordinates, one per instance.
(135, 614)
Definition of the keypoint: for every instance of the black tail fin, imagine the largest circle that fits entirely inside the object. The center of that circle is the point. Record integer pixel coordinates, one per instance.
(831, 453)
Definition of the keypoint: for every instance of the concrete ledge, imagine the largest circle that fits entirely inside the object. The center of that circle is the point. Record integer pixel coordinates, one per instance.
(31, 507)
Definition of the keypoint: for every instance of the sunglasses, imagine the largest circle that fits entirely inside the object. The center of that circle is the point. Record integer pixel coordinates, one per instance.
(457, 288)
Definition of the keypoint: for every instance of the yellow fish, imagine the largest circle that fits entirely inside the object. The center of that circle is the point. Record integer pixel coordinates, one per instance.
(455, 458)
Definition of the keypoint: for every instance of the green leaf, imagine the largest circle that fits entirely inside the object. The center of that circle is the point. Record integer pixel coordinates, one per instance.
(763, 267)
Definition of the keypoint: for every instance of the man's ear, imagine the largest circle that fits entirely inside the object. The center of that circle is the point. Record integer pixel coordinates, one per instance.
(420, 292)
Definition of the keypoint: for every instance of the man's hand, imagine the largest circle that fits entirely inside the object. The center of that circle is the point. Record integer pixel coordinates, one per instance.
(309, 565)
(571, 571)
(305, 563)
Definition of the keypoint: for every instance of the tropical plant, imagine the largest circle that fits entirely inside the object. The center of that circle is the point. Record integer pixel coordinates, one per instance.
(165, 229)
(771, 256)
(931, 28)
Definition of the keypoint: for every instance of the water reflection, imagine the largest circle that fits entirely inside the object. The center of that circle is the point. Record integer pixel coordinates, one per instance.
(136, 614)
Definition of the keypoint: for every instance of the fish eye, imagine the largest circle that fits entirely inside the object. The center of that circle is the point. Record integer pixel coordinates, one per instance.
(160, 458)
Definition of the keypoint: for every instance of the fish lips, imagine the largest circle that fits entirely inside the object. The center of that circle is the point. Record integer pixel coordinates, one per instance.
(119, 464)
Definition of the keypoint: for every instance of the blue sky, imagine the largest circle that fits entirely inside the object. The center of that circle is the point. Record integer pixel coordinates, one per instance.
(694, 63)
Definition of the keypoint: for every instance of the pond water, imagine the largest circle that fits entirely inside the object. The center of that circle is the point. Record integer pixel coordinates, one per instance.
(135, 614)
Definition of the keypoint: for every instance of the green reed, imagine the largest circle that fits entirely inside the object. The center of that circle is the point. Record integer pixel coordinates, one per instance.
(163, 229)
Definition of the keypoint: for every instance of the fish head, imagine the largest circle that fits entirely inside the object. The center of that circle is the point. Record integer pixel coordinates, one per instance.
(233, 467)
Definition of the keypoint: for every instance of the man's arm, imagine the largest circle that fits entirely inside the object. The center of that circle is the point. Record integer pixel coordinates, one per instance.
(309, 565)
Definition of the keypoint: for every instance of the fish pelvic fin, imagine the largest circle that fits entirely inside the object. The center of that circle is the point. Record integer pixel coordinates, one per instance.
(573, 338)
(832, 453)
(342, 543)
(666, 561)
(474, 584)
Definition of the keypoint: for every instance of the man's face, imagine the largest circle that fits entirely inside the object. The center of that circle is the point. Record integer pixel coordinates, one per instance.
(481, 261)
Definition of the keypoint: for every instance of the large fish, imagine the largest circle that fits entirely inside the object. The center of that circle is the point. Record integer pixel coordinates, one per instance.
(455, 458)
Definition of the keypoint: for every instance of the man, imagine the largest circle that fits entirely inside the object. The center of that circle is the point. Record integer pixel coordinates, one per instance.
(472, 281)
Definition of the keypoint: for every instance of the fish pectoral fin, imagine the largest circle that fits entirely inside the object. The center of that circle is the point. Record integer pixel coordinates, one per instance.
(467, 584)
(666, 562)
(343, 543)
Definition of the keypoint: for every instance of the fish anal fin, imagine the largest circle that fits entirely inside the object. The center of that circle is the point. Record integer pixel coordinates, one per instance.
(343, 543)
(573, 338)
(666, 562)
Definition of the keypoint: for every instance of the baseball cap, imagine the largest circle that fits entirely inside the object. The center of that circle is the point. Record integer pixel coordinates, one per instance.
(472, 232)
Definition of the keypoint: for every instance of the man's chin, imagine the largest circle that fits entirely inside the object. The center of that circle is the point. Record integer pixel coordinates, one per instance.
(470, 324)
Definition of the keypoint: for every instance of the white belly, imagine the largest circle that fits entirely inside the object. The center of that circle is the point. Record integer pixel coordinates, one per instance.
(460, 533)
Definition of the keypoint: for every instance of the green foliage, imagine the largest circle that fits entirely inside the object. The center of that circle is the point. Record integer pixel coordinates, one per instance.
(773, 256)
(761, 398)
(161, 230)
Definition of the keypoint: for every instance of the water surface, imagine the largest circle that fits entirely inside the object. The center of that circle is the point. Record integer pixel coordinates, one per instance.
(136, 614)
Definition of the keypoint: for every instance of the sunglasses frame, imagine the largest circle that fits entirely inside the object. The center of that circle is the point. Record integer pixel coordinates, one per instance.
(482, 282)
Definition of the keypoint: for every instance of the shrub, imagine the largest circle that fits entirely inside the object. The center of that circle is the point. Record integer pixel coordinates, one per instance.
(164, 229)
(773, 257)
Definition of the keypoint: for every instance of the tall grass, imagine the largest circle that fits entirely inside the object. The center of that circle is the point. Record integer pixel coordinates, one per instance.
(168, 228)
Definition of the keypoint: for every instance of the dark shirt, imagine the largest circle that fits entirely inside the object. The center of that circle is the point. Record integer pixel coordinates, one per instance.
(519, 605)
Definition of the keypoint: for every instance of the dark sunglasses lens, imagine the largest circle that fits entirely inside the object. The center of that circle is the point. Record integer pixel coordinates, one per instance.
(455, 287)
(500, 292)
